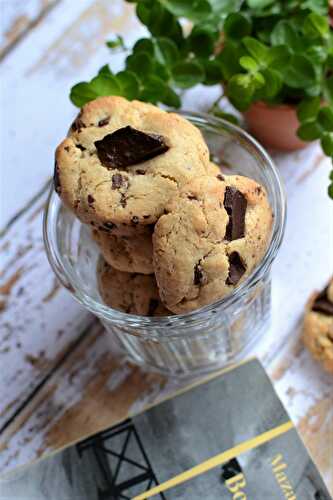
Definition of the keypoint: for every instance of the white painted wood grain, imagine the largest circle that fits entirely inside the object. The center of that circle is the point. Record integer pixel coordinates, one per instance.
(33, 335)
(17, 17)
(68, 46)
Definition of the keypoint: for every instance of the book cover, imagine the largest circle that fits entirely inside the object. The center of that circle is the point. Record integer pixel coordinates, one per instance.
(227, 438)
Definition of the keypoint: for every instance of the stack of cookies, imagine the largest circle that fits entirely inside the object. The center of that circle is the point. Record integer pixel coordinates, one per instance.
(174, 233)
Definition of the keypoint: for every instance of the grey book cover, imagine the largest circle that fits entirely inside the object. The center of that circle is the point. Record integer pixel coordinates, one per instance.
(227, 438)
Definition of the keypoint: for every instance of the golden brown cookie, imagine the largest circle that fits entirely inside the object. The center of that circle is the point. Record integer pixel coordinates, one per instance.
(123, 161)
(318, 327)
(214, 234)
(129, 292)
(131, 254)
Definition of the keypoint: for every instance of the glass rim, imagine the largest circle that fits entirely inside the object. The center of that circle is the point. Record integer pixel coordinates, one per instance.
(107, 313)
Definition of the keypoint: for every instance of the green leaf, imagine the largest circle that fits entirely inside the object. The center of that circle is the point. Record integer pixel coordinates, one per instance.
(187, 74)
(301, 73)
(213, 72)
(237, 26)
(325, 118)
(82, 93)
(129, 84)
(284, 33)
(202, 41)
(195, 10)
(248, 63)
(273, 83)
(308, 109)
(328, 89)
(240, 91)
(257, 50)
(309, 131)
(117, 42)
(144, 45)
(229, 60)
(327, 144)
(278, 57)
(317, 54)
(140, 63)
(316, 26)
(329, 60)
(105, 85)
(162, 72)
(330, 190)
(259, 4)
(153, 89)
(166, 51)
(170, 98)
(159, 21)
(105, 70)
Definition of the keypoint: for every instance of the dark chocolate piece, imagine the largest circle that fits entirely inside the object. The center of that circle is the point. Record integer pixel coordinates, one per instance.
(322, 304)
(103, 122)
(135, 220)
(56, 180)
(236, 269)
(220, 177)
(117, 181)
(90, 199)
(78, 124)
(153, 305)
(80, 147)
(109, 226)
(235, 204)
(200, 277)
(128, 146)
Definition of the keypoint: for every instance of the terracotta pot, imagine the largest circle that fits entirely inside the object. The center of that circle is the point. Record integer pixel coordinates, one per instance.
(274, 126)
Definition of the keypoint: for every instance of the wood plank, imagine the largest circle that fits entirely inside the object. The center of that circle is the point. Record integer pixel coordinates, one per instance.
(18, 17)
(33, 336)
(68, 46)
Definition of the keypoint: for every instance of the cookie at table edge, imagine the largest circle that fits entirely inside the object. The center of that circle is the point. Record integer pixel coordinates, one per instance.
(318, 327)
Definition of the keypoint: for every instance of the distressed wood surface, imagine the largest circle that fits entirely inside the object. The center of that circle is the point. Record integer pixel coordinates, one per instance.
(63, 382)
(18, 17)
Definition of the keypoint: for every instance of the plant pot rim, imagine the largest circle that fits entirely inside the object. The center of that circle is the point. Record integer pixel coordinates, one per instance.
(282, 107)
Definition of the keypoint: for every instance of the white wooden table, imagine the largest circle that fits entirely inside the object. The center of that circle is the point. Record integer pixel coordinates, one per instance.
(57, 380)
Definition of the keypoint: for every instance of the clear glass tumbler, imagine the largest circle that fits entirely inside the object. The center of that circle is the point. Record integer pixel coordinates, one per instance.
(206, 339)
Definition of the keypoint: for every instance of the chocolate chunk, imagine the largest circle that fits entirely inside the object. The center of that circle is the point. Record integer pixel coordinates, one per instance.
(123, 200)
(140, 172)
(56, 179)
(191, 197)
(236, 269)
(104, 121)
(235, 204)
(78, 124)
(220, 177)
(117, 181)
(322, 304)
(135, 220)
(153, 305)
(109, 226)
(258, 190)
(200, 277)
(80, 147)
(128, 146)
(90, 199)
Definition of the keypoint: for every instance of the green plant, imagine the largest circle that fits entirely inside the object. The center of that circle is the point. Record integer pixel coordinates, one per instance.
(269, 50)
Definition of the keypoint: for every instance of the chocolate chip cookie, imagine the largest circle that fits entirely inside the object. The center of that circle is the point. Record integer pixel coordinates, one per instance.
(123, 161)
(214, 234)
(129, 292)
(132, 254)
(318, 327)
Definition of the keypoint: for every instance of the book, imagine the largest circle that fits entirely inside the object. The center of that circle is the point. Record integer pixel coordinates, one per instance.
(227, 438)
